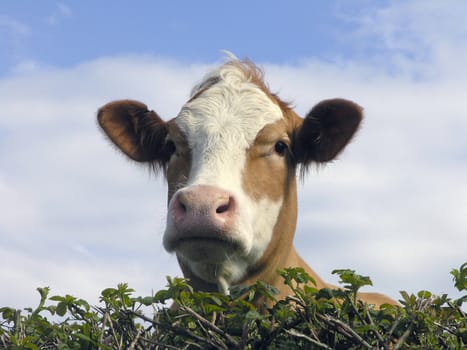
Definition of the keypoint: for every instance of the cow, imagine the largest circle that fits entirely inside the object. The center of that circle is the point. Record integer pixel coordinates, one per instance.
(231, 158)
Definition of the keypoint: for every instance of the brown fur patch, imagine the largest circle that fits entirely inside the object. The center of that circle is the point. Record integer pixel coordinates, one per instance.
(138, 132)
(255, 74)
(198, 90)
(327, 130)
(178, 168)
(266, 172)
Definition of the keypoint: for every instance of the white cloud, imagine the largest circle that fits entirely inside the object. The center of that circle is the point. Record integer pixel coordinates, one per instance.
(78, 217)
(13, 35)
(414, 26)
(407, 36)
(25, 67)
(13, 26)
(60, 12)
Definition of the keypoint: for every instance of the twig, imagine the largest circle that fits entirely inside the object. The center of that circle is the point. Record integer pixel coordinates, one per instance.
(404, 336)
(294, 333)
(153, 342)
(447, 329)
(214, 317)
(354, 307)
(244, 340)
(213, 327)
(3, 341)
(462, 313)
(101, 337)
(344, 329)
(190, 343)
(178, 330)
(298, 301)
(114, 334)
(394, 326)
(212, 335)
(133, 343)
(17, 324)
(283, 327)
(380, 338)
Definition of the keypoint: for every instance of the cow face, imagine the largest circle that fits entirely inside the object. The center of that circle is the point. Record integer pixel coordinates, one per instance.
(230, 157)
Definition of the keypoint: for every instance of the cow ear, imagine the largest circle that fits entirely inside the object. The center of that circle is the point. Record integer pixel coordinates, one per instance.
(326, 130)
(136, 131)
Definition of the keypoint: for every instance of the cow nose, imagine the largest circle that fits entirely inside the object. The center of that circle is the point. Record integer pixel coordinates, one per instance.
(203, 205)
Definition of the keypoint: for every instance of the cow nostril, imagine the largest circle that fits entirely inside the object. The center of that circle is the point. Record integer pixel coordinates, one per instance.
(222, 208)
(225, 207)
(180, 205)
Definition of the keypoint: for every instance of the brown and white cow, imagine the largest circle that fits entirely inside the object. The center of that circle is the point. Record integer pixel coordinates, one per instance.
(230, 157)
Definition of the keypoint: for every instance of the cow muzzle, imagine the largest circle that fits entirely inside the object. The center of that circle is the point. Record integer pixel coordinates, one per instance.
(201, 223)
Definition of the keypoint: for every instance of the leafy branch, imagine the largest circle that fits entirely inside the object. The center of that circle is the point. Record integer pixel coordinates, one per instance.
(309, 318)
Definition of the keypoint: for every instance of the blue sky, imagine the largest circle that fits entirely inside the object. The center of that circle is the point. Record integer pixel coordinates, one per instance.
(66, 33)
(78, 217)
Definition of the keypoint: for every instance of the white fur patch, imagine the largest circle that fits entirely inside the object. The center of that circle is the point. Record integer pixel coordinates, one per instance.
(220, 124)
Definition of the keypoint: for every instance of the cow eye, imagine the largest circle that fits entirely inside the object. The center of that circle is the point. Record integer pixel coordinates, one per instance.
(170, 147)
(280, 147)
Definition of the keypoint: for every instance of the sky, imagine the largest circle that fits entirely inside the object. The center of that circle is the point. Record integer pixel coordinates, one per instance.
(77, 216)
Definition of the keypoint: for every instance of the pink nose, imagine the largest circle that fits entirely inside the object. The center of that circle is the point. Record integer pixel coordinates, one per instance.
(203, 206)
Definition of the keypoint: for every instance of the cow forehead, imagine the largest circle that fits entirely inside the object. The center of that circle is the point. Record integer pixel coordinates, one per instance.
(228, 114)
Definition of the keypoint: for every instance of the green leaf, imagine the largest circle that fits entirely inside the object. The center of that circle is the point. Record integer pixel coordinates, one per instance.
(83, 337)
(61, 308)
(161, 296)
(8, 313)
(408, 300)
(253, 315)
(424, 294)
(351, 280)
(310, 290)
(216, 300)
(147, 301)
(239, 291)
(43, 292)
(297, 274)
(251, 295)
(57, 298)
(30, 346)
(325, 293)
(460, 277)
(108, 292)
(213, 308)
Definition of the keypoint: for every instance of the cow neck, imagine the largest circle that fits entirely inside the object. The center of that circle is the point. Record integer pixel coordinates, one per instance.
(280, 252)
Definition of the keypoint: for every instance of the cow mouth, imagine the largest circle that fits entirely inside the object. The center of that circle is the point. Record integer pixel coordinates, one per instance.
(199, 248)
(200, 241)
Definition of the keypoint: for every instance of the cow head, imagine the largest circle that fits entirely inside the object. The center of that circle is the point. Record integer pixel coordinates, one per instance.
(230, 158)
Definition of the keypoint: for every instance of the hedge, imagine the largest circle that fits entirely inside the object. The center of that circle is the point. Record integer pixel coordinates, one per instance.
(311, 318)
